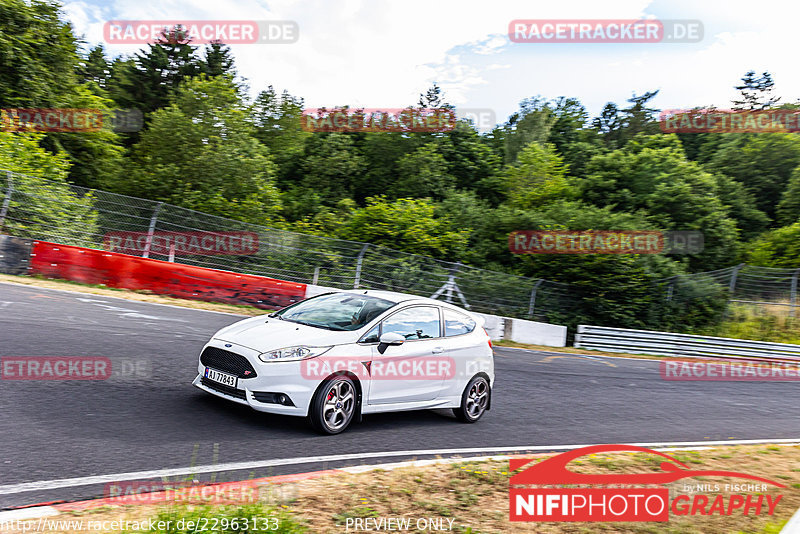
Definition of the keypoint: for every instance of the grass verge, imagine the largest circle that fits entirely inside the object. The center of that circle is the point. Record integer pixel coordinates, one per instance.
(472, 497)
(573, 350)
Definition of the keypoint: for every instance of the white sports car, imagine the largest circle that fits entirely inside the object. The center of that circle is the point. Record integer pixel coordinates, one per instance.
(337, 356)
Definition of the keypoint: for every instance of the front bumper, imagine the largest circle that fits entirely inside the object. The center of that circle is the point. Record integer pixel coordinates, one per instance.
(273, 377)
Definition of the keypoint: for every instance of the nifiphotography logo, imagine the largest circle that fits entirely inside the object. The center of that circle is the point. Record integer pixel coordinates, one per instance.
(626, 497)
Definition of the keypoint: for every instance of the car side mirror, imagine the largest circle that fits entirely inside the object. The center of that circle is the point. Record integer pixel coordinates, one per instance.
(390, 338)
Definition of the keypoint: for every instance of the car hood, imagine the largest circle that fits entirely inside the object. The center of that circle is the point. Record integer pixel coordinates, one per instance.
(263, 334)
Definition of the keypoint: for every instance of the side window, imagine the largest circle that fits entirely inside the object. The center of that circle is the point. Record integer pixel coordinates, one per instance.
(372, 335)
(456, 323)
(418, 322)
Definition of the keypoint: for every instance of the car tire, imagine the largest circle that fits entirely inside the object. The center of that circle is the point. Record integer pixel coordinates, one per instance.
(334, 405)
(474, 400)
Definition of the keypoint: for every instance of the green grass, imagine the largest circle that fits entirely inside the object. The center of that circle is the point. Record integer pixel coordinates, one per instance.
(759, 323)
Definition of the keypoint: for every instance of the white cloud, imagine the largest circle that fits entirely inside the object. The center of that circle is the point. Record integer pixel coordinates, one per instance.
(383, 54)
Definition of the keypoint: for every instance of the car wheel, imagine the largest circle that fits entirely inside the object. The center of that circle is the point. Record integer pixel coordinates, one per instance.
(474, 400)
(334, 405)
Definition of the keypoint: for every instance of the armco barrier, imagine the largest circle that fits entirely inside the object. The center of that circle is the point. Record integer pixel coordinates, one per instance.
(670, 344)
(91, 266)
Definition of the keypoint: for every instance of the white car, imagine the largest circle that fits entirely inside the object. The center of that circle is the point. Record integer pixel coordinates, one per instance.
(337, 356)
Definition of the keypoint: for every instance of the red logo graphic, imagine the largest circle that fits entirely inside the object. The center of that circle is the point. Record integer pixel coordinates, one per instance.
(378, 120)
(181, 492)
(51, 120)
(585, 31)
(422, 368)
(56, 368)
(196, 31)
(729, 371)
(182, 243)
(585, 242)
(619, 504)
(725, 121)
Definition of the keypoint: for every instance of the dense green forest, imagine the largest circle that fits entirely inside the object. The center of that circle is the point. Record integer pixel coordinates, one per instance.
(208, 145)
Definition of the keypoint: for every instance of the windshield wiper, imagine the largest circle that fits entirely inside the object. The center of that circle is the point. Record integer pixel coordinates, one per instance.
(315, 325)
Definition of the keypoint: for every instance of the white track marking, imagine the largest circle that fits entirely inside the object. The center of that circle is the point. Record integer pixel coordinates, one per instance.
(236, 466)
(16, 284)
(22, 514)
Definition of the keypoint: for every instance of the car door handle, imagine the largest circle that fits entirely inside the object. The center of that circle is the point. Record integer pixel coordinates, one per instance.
(437, 350)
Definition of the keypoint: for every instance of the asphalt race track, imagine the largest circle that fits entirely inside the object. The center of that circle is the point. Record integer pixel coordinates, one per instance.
(63, 429)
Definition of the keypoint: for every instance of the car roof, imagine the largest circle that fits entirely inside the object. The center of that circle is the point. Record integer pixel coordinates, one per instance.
(397, 297)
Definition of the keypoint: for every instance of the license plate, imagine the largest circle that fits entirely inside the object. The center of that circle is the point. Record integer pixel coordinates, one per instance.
(222, 378)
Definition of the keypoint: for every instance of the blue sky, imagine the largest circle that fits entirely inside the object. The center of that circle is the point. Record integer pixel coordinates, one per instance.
(383, 53)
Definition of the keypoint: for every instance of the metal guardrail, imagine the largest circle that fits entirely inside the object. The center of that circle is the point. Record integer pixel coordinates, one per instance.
(685, 345)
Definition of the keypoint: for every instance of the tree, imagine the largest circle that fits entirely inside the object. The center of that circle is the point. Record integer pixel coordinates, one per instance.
(741, 207)
(618, 126)
(756, 92)
(218, 61)
(38, 54)
(652, 175)
(537, 178)
(277, 120)
(467, 211)
(405, 224)
(43, 205)
(469, 159)
(95, 68)
(422, 173)
(572, 140)
(148, 81)
(433, 98)
(609, 124)
(777, 248)
(789, 207)
(200, 152)
(330, 166)
(531, 124)
(97, 156)
(381, 152)
(604, 289)
(638, 117)
(762, 163)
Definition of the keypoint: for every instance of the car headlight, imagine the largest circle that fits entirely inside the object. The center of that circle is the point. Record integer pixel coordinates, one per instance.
(290, 354)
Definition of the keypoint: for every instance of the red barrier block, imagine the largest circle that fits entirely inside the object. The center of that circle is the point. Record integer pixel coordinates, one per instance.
(89, 266)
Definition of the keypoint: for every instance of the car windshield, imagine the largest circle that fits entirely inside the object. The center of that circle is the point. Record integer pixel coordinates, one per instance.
(338, 311)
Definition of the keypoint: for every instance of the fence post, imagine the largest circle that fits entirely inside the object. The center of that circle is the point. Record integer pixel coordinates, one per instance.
(734, 275)
(151, 230)
(7, 201)
(794, 293)
(315, 280)
(359, 261)
(532, 304)
(671, 288)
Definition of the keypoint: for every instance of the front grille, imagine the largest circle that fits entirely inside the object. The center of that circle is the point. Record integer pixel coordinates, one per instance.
(229, 362)
(222, 388)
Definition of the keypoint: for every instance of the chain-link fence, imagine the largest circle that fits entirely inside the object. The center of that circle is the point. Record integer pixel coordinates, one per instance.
(746, 284)
(37, 208)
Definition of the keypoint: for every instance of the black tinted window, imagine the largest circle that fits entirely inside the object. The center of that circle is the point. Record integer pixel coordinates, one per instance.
(372, 335)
